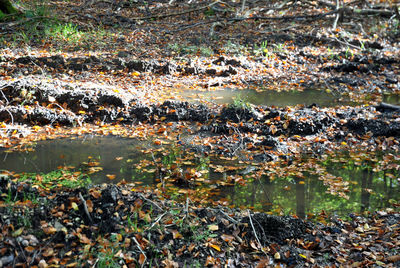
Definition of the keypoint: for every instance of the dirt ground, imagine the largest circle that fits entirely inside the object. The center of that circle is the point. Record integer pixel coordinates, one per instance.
(121, 68)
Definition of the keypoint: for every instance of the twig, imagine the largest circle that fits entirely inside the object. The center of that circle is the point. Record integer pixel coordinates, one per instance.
(187, 207)
(158, 219)
(229, 217)
(12, 118)
(243, 5)
(141, 250)
(175, 14)
(85, 207)
(4, 95)
(347, 44)
(337, 16)
(254, 230)
(148, 200)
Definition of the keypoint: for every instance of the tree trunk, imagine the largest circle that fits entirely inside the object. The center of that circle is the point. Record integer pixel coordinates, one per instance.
(7, 8)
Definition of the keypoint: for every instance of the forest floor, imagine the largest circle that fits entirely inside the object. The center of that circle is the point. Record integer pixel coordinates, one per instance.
(125, 68)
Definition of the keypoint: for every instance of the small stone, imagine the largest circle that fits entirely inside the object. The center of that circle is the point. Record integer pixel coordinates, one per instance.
(43, 264)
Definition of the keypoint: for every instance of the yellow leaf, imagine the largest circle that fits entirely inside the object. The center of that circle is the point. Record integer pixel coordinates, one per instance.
(111, 176)
(36, 128)
(213, 227)
(135, 73)
(81, 112)
(176, 234)
(303, 256)
(216, 247)
(74, 206)
(17, 232)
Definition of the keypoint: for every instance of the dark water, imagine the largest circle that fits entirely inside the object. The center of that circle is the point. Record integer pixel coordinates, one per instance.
(367, 190)
(391, 98)
(269, 97)
(281, 99)
(75, 152)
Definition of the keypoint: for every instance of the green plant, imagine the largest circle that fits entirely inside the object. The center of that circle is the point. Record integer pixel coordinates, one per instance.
(133, 222)
(279, 47)
(261, 49)
(203, 235)
(203, 163)
(107, 258)
(68, 33)
(238, 102)
(349, 53)
(53, 179)
(24, 219)
(362, 45)
(8, 198)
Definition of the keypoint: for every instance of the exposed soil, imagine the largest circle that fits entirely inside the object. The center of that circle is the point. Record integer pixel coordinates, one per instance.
(132, 78)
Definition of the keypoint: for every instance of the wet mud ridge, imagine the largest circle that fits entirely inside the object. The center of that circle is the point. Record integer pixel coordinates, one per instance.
(41, 104)
(140, 225)
(338, 72)
(99, 64)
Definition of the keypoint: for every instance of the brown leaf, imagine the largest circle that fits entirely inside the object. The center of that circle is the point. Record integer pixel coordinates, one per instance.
(394, 258)
(227, 238)
(96, 194)
(210, 260)
(49, 230)
(263, 263)
(84, 239)
(89, 205)
(170, 264)
(176, 234)
(142, 258)
(48, 252)
(29, 249)
(191, 247)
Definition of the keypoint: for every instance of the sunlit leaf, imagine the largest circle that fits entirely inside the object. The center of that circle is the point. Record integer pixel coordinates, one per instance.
(111, 176)
(216, 247)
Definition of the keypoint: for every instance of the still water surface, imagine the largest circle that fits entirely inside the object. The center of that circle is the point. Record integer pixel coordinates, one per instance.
(119, 156)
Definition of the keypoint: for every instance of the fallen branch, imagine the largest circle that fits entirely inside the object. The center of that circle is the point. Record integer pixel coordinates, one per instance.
(148, 200)
(157, 220)
(159, 16)
(254, 230)
(85, 207)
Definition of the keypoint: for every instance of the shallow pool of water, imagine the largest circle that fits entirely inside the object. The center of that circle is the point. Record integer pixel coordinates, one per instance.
(119, 157)
(268, 97)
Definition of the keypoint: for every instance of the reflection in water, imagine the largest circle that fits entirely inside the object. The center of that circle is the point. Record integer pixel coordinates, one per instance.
(118, 156)
(391, 98)
(115, 155)
(368, 191)
(268, 97)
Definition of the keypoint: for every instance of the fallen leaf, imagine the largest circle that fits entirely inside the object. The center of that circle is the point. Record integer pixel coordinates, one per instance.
(74, 206)
(111, 176)
(216, 247)
(213, 227)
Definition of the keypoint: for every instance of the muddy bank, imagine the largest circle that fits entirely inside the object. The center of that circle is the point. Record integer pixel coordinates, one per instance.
(340, 70)
(76, 226)
(41, 104)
